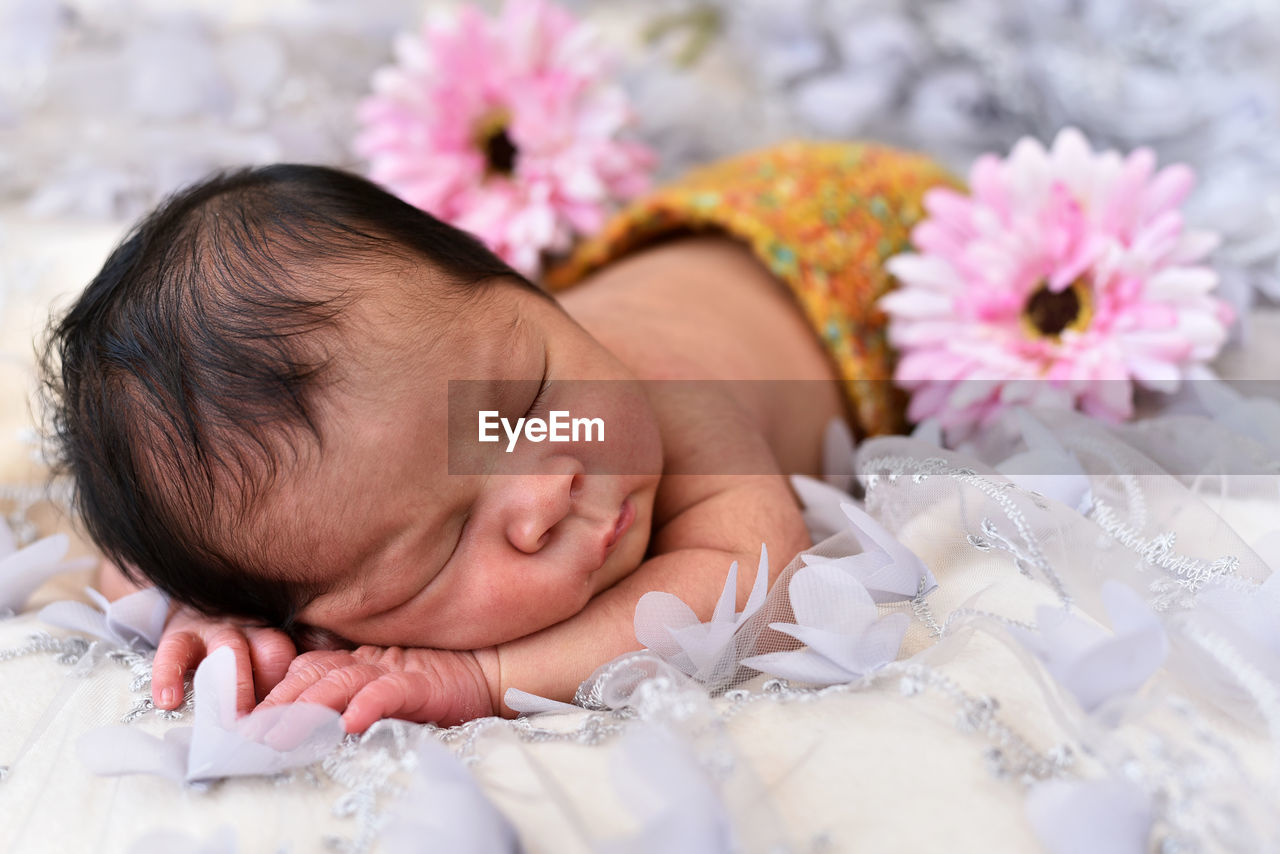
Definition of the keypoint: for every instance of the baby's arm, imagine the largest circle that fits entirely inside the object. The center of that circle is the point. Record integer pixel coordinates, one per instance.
(262, 655)
(726, 520)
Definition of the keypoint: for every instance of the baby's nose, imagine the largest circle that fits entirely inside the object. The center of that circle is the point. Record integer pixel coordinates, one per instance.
(536, 505)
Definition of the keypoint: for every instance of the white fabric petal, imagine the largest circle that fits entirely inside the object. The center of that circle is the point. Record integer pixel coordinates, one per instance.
(841, 650)
(759, 588)
(682, 812)
(821, 506)
(23, 571)
(882, 641)
(445, 805)
(704, 646)
(266, 741)
(928, 431)
(910, 570)
(529, 704)
(1065, 635)
(222, 841)
(1093, 664)
(117, 750)
(133, 621)
(838, 451)
(845, 579)
(8, 544)
(1115, 668)
(800, 665)
(1090, 817)
(76, 616)
(1047, 467)
(728, 601)
(656, 613)
(1256, 612)
(857, 654)
(139, 616)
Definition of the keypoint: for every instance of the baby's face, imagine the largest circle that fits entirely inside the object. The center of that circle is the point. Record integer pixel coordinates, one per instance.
(411, 552)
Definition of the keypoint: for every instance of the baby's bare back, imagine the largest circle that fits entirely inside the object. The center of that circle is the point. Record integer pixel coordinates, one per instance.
(704, 308)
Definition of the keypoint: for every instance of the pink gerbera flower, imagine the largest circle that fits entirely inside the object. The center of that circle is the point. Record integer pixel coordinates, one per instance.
(506, 128)
(1064, 278)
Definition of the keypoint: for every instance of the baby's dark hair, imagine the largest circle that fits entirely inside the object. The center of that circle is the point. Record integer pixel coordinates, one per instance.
(189, 367)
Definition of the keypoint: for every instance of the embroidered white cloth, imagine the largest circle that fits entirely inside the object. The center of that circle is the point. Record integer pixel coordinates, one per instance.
(1059, 681)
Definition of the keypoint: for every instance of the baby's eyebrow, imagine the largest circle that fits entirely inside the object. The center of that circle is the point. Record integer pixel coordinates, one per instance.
(422, 546)
(522, 328)
(348, 566)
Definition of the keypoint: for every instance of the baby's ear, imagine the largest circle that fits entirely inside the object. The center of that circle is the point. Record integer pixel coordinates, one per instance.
(308, 638)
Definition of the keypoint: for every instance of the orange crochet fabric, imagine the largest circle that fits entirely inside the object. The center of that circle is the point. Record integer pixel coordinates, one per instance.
(823, 217)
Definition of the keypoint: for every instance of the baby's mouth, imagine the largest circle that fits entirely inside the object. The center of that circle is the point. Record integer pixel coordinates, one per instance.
(626, 515)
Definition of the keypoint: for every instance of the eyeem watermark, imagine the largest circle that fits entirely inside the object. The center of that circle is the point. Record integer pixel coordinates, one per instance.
(560, 428)
(630, 406)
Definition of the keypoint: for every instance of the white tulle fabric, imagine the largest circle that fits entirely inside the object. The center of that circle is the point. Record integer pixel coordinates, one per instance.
(1066, 641)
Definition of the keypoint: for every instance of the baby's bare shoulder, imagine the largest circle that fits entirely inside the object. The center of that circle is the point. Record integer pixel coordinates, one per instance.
(700, 307)
(722, 485)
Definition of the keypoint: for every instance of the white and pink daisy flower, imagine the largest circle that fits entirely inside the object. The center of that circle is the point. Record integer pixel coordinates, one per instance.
(1065, 277)
(505, 127)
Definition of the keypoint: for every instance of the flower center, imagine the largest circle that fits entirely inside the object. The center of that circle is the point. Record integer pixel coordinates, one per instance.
(1048, 313)
(491, 138)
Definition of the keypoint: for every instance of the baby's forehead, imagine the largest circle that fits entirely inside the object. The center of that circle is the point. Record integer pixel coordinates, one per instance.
(414, 321)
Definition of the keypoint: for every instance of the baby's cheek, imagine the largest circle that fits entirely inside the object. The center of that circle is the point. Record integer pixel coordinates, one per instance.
(546, 605)
(636, 444)
(514, 607)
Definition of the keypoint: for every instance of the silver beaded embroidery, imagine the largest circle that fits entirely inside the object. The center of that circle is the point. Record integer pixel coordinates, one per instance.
(66, 651)
(1027, 552)
(1158, 551)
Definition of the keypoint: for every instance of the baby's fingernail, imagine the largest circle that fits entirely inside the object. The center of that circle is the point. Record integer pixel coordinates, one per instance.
(168, 697)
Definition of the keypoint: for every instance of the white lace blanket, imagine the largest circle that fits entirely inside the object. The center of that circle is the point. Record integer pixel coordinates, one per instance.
(1088, 661)
(967, 710)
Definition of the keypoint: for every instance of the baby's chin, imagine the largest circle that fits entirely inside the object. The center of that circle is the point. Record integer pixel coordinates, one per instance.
(621, 563)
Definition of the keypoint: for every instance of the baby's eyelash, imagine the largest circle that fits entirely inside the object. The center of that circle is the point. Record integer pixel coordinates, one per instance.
(462, 530)
(537, 401)
(541, 395)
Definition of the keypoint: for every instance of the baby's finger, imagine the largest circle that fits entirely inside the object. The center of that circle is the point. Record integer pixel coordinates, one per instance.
(305, 671)
(404, 695)
(177, 653)
(272, 653)
(239, 645)
(336, 689)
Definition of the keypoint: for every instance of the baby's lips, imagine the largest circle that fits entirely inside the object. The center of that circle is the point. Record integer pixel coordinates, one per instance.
(626, 515)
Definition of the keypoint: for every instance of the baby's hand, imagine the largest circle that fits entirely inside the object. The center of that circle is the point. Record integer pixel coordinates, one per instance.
(421, 685)
(262, 657)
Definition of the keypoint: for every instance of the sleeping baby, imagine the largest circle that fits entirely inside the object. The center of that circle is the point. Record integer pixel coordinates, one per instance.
(274, 401)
